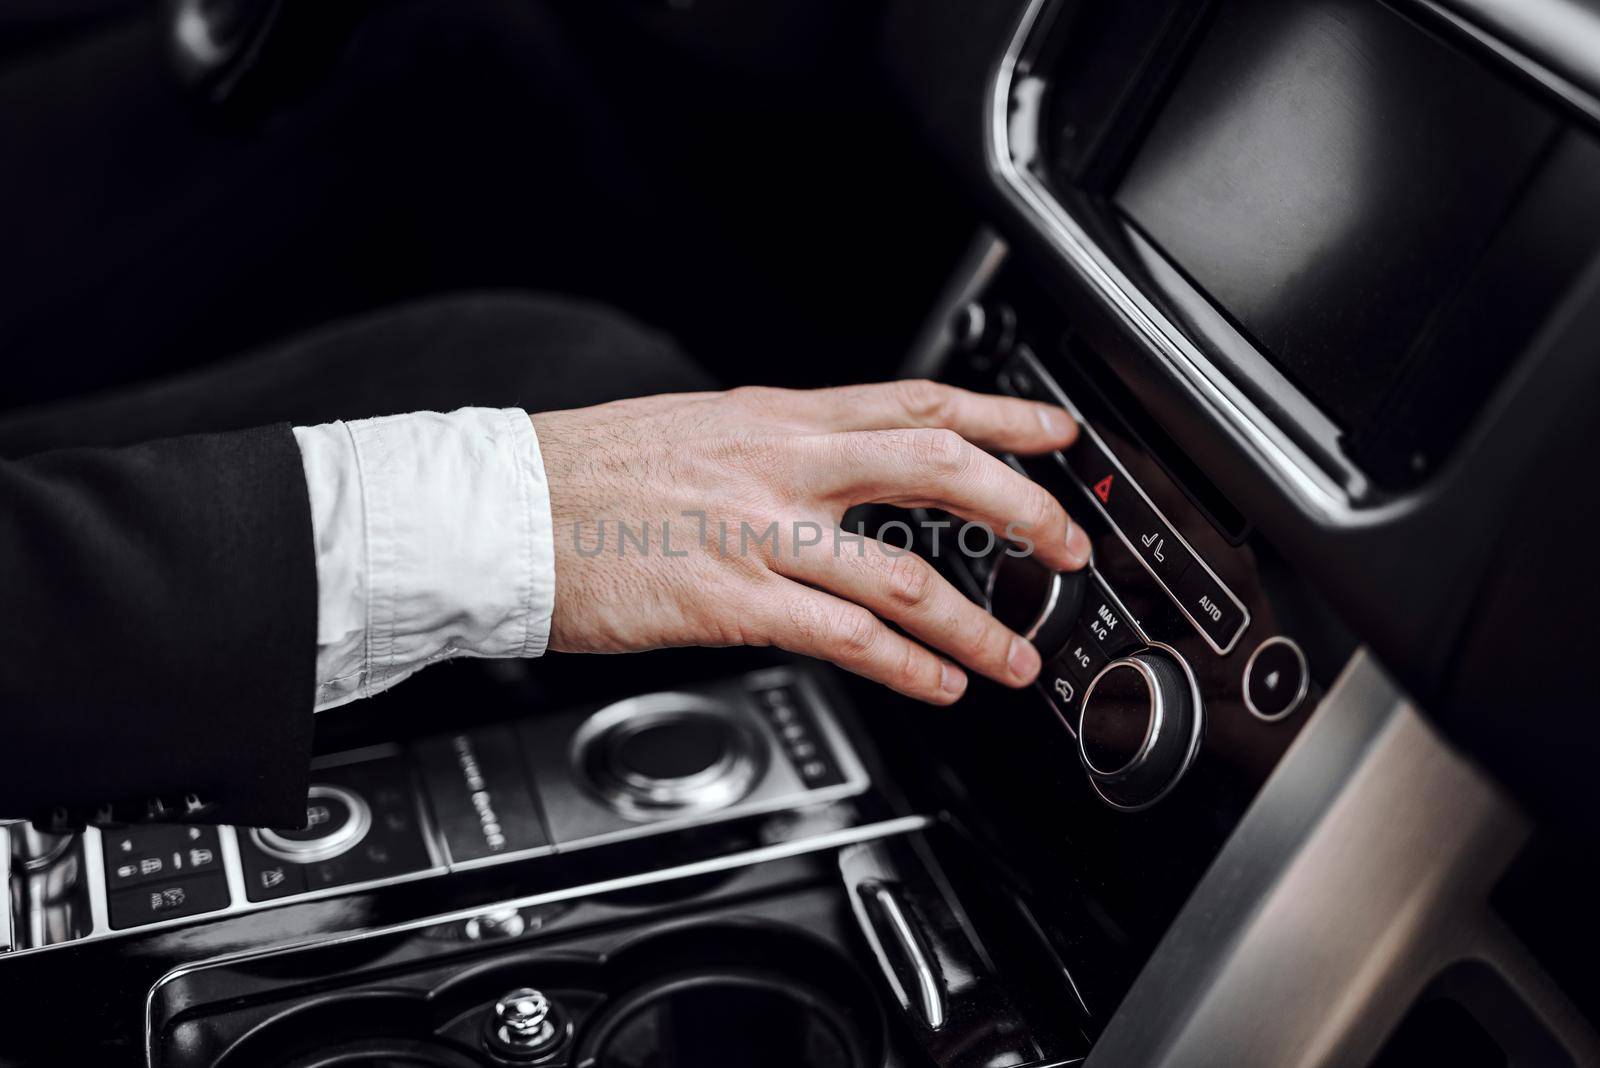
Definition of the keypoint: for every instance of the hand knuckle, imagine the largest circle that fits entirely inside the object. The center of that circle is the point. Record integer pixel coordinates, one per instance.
(910, 581)
(757, 398)
(943, 451)
(908, 673)
(1042, 511)
(854, 631)
(927, 403)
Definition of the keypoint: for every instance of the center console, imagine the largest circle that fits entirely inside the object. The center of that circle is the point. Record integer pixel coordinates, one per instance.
(388, 815)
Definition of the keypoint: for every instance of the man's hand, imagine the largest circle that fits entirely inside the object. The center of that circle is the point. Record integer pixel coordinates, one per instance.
(706, 476)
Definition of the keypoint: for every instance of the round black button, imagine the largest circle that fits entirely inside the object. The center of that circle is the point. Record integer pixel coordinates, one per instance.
(325, 815)
(1116, 723)
(1275, 678)
(673, 749)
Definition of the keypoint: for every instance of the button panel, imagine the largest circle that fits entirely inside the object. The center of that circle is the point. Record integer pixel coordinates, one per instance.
(159, 853)
(482, 800)
(1209, 606)
(391, 845)
(371, 819)
(798, 733)
(1103, 632)
(169, 899)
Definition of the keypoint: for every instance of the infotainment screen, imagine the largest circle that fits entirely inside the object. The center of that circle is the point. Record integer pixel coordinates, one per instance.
(1331, 175)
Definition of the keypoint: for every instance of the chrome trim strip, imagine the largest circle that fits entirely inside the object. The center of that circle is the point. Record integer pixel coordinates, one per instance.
(1316, 490)
(232, 863)
(1557, 41)
(1305, 678)
(7, 935)
(1026, 355)
(94, 873)
(928, 992)
(749, 858)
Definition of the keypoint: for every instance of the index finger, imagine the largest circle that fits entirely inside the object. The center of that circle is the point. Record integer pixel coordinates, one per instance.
(1005, 424)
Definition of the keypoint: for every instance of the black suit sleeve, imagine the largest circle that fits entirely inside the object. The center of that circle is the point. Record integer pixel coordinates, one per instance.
(158, 632)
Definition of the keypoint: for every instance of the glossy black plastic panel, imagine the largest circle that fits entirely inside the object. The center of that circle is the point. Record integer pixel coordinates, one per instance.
(1330, 174)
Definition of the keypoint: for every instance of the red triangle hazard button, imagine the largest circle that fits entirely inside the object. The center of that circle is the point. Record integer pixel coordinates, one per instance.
(1102, 489)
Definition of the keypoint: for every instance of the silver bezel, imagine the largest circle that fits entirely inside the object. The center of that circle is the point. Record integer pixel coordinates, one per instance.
(1196, 733)
(342, 840)
(1152, 729)
(1300, 694)
(645, 800)
(1050, 599)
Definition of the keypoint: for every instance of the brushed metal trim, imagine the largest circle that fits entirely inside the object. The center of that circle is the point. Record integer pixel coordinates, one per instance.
(781, 851)
(1361, 870)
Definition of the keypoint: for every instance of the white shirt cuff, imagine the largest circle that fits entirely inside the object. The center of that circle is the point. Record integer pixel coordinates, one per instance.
(433, 539)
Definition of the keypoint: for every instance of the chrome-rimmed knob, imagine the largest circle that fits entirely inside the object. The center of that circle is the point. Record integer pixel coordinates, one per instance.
(1139, 727)
(1040, 604)
(336, 821)
(608, 747)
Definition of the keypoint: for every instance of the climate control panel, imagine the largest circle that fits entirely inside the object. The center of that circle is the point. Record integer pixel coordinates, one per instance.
(1170, 632)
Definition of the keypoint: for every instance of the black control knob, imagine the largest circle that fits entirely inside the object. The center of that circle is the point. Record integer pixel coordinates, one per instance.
(1139, 728)
(984, 333)
(1039, 604)
(336, 820)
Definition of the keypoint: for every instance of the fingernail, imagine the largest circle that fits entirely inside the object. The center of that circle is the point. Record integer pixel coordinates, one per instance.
(1022, 659)
(950, 680)
(1078, 547)
(1057, 424)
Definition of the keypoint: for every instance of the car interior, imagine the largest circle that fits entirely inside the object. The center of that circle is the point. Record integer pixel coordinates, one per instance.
(1305, 779)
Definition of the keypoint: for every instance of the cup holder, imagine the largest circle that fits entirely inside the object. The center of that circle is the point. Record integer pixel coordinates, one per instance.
(733, 1018)
(734, 993)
